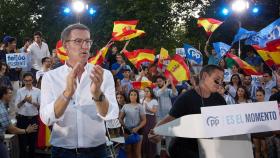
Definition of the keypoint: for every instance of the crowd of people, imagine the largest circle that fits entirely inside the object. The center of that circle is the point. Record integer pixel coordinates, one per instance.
(140, 110)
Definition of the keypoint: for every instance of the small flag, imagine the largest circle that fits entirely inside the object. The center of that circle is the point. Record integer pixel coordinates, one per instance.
(125, 30)
(248, 69)
(60, 52)
(271, 58)
(139, 56)
(99, 57)
(221, 49)
(243, 34)
(177, 69)
(209, 24)
(142, 84)
(193, 54)
(163, 55)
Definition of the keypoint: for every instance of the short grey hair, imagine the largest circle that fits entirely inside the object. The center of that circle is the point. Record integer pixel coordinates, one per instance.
(66, 32)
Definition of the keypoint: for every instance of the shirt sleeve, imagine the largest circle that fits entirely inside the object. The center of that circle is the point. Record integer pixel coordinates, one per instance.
(108, 88)
(142, 110)
(48, 99)
(171, 93)
(179, 107)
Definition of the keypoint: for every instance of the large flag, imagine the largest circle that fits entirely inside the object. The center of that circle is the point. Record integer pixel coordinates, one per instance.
(221, 49)
(266, 55)
(267, 34)
(139, 56)
(44, 135)
(125, 30)
(99, 57)
(193, 54)
(177, 69)
(209, 24)
(243, 34)
(248, 69)
(60, 52)
(163, 55)
(274, 45)
(142, 84)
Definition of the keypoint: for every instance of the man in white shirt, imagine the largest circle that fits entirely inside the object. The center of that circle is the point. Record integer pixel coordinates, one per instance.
(26, 43)
(27, 102)
(46, 62)
(76, 99)
(38, 50)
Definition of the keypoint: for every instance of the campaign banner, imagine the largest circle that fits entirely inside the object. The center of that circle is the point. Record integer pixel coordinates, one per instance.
(181, 52)
(240, 118)
(227, 75)
(16, 60)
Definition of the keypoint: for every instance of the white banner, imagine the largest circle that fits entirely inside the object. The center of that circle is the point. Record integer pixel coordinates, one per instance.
(240, 118)
(16, 60)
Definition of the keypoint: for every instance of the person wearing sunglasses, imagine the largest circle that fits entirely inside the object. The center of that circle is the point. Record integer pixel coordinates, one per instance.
(76, 99)
(205, 94)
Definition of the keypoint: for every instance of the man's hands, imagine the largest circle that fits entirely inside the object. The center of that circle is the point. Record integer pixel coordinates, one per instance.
(31, 128)
(97, 78)
(71, 84)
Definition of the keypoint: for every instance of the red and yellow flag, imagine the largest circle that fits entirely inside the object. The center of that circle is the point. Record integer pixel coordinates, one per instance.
(163, 55)
(139, 56)
(209, 24)
(273, 46)
(267, 56)
(99, 57)
(177, 69)
(125, 30)
(247, 68)
(44, 135)
(60, 52)
(142, 84)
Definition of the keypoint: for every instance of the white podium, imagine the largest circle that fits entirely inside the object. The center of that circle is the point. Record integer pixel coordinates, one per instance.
(224, 131)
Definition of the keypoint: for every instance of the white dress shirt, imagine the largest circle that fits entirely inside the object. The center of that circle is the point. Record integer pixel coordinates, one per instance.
(37, 54)
(80, 126)
(40, 73)
(28, 109)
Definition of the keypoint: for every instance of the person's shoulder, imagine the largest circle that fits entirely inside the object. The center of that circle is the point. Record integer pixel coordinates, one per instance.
(187, 95)
(55, 71)
(36, 89)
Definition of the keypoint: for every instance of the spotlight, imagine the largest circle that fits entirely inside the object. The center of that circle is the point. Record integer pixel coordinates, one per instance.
(67, 10)
(92, 11)
(240, 5)
(78, 6)
(225, 11)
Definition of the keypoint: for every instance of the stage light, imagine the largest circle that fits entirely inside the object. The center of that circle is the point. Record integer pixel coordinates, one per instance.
(255, 10)
(225, 11)
(78, 6)
(240, 6)
(67, 10)
(92, 11)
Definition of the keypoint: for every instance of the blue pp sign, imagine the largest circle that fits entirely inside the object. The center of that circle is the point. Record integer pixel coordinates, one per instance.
(16, 60)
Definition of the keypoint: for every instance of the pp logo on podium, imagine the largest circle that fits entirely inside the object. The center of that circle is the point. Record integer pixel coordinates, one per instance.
(213, 121)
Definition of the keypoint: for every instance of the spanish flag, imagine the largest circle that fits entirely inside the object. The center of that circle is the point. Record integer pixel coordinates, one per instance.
(139, 56)
(99, 57)
(163, 55)
(273, 46)
(177, 69)
(123, 26)
(44, 134)
(209, 24)
(142, 84)
(248, 69)
(60, 52)
(264, 54)
(125, 30)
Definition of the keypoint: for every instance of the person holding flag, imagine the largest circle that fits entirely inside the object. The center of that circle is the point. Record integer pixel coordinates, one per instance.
(213, 58)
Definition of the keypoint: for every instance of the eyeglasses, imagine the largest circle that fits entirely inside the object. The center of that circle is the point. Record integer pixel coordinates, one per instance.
(80, 42)
(27, 80)
(218, 82)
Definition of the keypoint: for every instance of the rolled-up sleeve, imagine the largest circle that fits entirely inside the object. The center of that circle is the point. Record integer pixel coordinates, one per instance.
(48, 99)
(108, 88)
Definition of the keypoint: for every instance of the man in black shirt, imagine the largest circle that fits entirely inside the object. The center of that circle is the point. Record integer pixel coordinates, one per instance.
(205, 94)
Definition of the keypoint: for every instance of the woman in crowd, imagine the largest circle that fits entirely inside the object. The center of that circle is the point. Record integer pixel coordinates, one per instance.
(227, 97)
(234, 83)
(274, 90)
(259, 139)
(4, 79)
(133, 119)
(234, 69)
(120, 99)
(222, 63)
(151, 106)
(242, 96)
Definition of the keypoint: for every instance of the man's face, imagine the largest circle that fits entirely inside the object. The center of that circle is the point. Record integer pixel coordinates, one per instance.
(247, 80)
(213, 52)
(28, 81)
(160, 82)
(37, 39)
(8, 96)
(266, 77)
(12, 45)
(78, 46)
(48, 63)
(114, 50)
(214, 80)
(119, 58)
(27, 43)
(126, 74)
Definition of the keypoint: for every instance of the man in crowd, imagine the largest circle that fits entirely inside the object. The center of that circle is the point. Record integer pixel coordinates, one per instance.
(46, 64)
(28, 103)
(6, 94)
(111, 57)
(26, 43)
(205, 94)
(118, 66)
(254, 60)
(76, 98)
(38, 50)
(268, 84)
(251, 86)
(164, 95)
(213, 58)
(126, 82)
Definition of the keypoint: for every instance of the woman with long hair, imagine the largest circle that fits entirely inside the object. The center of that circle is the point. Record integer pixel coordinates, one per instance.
(151, 106)
(259, 139)
(242, 96)
(133, 119)
(235, 82)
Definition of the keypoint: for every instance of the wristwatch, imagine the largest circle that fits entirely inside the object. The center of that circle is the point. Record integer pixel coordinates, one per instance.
(100, 98)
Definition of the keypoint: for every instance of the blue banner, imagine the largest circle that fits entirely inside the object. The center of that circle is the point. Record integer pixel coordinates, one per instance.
(243, 34)
(193, 54)
(221, 49)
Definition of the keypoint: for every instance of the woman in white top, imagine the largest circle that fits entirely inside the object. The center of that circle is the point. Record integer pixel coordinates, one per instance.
(151, 106)
(234, 83)
(242, 95)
